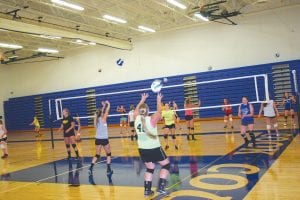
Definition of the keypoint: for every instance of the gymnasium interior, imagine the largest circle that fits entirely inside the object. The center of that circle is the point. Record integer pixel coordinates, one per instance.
(77, 54)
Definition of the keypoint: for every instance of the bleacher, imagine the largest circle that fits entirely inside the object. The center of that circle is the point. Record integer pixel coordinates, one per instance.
(19, 111)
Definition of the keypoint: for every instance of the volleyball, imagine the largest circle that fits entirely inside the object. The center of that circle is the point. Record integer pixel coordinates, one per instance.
(165, 80)
(156, 86)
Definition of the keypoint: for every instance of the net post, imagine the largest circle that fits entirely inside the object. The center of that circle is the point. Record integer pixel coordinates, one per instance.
(297, 95)
(256, 89)
(267, 94)
(51, 124)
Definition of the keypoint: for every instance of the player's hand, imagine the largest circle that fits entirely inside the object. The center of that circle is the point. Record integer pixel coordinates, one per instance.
(103, 103)
(144, 96)
(159, 97)
(106, 102)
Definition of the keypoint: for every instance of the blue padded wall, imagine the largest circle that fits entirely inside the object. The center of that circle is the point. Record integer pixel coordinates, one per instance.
(19, 111)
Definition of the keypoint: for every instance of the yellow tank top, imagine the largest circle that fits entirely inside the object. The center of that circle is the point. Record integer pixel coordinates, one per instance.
(168, 115)
(36, 122)
(144, 141)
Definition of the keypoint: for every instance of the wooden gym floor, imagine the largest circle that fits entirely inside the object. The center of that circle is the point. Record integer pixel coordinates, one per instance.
(216, 166)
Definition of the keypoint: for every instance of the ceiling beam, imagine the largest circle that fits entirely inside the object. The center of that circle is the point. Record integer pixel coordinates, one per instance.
(42, 30)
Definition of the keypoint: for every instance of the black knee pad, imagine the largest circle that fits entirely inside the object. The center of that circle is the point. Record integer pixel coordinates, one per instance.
(192, 128)
(108, 154)
(293, 116)
(151, 171)
(74, 146)
(68, 146)
(173, 137)
(97, 156)
(166, 167)
(132, 131)
(166, 136)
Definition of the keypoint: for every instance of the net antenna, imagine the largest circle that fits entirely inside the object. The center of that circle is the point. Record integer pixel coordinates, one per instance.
(59, 101)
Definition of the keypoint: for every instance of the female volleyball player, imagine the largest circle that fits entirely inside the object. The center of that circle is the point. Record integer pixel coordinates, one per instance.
(287, 103)
(67, 126)
(227, 109)
(131, 123)
(78, 128)
(101, 141)
(246, 112)
(169, 118)
(149, 146)
(36, 125)
(3, 140)
(123, 119)
(189, 117)
(270, 113)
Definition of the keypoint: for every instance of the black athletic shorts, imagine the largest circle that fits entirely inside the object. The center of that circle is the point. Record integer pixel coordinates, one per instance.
(189, 117)
(69, 134)
(152, 155)
(131, 124)
(102, 142)
(172, 126)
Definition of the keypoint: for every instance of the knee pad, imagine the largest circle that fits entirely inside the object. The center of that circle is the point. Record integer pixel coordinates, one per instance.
(293, 116)
(275, 125)
(192, 128)
(230, 119)
(166, 167)
(151, 171)
(132, 131)
(268, 127)
(225, 120)
(74, 146)
(173, 137)
(68, 146)
(97, 156)
(108, 154)
(166, 136)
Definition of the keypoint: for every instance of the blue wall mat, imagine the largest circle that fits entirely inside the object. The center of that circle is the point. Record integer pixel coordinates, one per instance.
(19, 111)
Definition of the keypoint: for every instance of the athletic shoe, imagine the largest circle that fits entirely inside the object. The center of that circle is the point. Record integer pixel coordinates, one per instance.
(225, 126)
(69, 158)
(148, 193)
(246, 142)
(4, 156)
(166, 147)
(277, 134)
(269, 137)
(162, 191)
(91, 179)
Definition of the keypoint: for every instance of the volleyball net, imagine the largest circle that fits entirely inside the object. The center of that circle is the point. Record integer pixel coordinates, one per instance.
(210, 92)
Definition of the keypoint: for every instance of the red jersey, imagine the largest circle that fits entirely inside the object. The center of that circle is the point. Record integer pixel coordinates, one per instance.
(227, 109)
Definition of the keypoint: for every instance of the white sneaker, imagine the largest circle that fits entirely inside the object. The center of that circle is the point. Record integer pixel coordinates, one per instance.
(269, 137)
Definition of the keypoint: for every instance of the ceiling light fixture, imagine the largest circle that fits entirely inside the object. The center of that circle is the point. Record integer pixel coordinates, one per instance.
(67, 4)
(144, 28)
(10, 46)
(44, 50)
(177, 4)
(200, 16)
(51, 37)
(115, 19)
